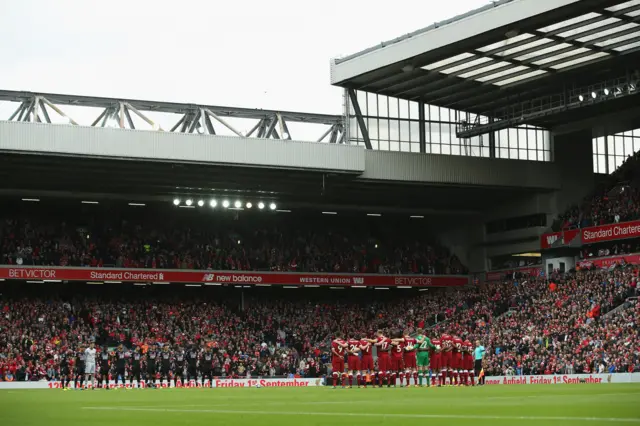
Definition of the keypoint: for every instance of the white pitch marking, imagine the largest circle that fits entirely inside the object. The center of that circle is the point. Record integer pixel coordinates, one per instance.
(394, 415)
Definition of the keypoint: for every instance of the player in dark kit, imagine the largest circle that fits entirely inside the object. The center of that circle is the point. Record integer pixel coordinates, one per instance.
(165, 365)
(179, 361)
(192, 363)
(152, 368)
(105, 366)
(80, 368)
(136, 367)
(397, 358)
(65, 371)
(206, 366)
(120, 356)
(383, 345)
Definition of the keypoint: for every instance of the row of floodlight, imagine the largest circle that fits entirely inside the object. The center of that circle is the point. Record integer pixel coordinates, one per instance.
(213, 203)
(607, 92)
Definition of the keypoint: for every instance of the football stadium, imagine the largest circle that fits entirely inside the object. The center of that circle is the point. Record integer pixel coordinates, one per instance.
(458, 243)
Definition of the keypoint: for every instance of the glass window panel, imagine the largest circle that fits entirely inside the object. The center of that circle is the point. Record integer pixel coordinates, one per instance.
(627, 46)
(362, 100)
(475, 151)
(618, 143)
(383, 106)
(474, 141)
(568, 22)
(464, 66)
(415, 147)
(394, 146)
(513, 154)
(393, 107)
(445, 114)
(532, 155)
(517, 78)
(595, 164)
(593, 146)
(602, 164)
(447, 132)
(547, 156)
(610, 148)
(404, 108)
(499, 44)
(612, 164)
(455, 149)
(372, 125)
(546, 140)
(636, 133)
(435, 133)
(628, 133)
(503, 153)
(446, 149)
(580, 60)
(619, 161)
(543, 51)
(414, 131)
(532, 134)
(405, 146)
(489, 67)
(609, 32)
(433, 113)
(512, 141)
(448, 61)
(600, 145)
(435, 149)
(633, 13)
(622, 5)
(427, 148)
(484, 151)
(383, 129)
(504, 138)
(618, 39)
(372, 105)
(375, 144)
(454, 138)
(498, 75)
(636, 144)
(404, 131)
(413, 110)
(354, 129)
(585, 28)
(394, 130)
(530, 45)
(628, 147)
(522, 154)
(384, 145)
(566, 56)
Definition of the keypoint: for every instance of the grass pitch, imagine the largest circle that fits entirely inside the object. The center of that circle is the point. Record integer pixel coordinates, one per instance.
(565, 405)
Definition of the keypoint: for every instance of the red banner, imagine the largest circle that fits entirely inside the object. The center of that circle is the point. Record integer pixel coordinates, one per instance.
(607, 262)
(34, 273)
(527, 270)
(616, 231)
(565, 237)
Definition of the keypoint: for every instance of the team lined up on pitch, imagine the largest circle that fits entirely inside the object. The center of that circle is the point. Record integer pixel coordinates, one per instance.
(438, 362)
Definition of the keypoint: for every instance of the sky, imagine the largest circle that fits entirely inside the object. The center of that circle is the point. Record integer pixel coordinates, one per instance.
(246, 53)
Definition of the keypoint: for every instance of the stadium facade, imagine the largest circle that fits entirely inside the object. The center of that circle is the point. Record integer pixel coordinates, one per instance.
(487, 126)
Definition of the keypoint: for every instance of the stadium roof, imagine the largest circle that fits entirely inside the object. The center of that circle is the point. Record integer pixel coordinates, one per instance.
(478, 61)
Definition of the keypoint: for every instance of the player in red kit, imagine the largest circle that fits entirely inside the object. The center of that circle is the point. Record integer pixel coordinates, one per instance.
(366, 362)
(435, 362)
(397, 358)
(383, 344)
(447, 345)
(467, 363)
(410, 366)
(338, 349)
(456, 360)
(353, 358)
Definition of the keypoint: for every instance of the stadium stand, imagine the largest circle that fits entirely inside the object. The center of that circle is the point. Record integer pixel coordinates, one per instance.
(582, 322)
(285, 242)
(616, 200)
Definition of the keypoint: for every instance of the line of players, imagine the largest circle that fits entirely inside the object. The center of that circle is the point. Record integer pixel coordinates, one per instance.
(438, 362)
(156, 363)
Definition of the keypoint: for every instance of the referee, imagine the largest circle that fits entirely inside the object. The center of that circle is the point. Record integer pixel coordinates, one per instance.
(478, 356)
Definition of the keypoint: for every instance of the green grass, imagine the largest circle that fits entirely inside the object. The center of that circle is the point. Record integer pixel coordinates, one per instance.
(493, 405)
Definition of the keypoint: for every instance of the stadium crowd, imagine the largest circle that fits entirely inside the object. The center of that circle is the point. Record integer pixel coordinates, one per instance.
(535, 326)
(220, 242)
(615, 200)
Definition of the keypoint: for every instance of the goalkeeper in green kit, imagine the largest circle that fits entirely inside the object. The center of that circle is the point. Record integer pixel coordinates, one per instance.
(423, 346)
